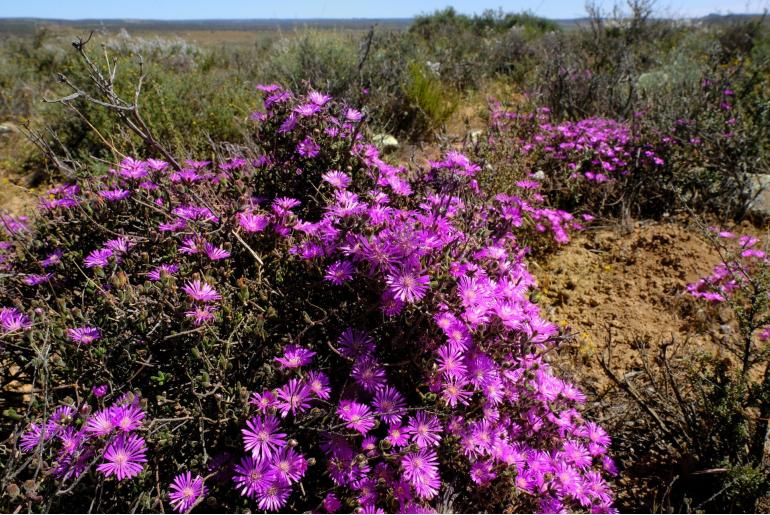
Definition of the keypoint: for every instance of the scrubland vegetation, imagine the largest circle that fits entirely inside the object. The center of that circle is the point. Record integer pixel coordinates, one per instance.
(301, 271)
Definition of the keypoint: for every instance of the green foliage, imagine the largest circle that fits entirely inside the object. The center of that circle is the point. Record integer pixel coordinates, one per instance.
(428, 95)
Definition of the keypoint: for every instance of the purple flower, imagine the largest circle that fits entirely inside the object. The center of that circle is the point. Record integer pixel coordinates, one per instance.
(36, 279)
(115, 195)
(201, 314)
(408, 285)
(308, 148)
(293, 397)
(100, 423)
(369, 375)
(123, 457)
(390, 405)
(397, 436)
(203, 214)
(331, 503)
(421, 470)
(133, 169)
(289, 465)
(185, 491)
(354, 344)
(251, 222)
(263, 401)
(261, 436)
(13, 320)
(157, 164)
(215, 253)
(159, 271)
(321, 99)
(358, 416)
(339, 272)
(98, 258)
(85, 335)
(306, 110)
(282, 206)
(253, 476)
(318, 384)
(201, 291)
(53, 258)
(127, 418)
(353, 115)
(100, 390)
(119, 245)
(274, 496)
(337, 179)
(32, 437)
(295, 356)
(424, 429)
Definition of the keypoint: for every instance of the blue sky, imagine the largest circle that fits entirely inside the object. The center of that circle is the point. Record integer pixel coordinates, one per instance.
(297, 9)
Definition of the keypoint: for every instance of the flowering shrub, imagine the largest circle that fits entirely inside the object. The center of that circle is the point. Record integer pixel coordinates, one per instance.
(736, 386)
(594, 163)
(308, 326)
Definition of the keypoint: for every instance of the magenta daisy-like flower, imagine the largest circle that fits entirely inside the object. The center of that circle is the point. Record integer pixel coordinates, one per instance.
(397, 436)
(201, 291)
(263, 401)
(318, 98)
(274, 496)
(32, 437)
(421, 470)
(84, 335)
(354, 344)
(251, 222)
(13, 320)
(424, 429)
(308, 147)
(119, 245)
(337, 179)
(305, 110)
(454, 392)
(369, 374)
(289, 465)
(201, 314)
(191, 245)
(318, 384)
(185, 491)
(115, 195)
(60, 418)
(293, 397)
(100, 423)
(408, 285)
(36, 279)
(215, 253)
(127, 418)
(331, 503)
(100, 391)
(53, 259)
(124, 457)
(282, 206)
(358, 416)
(99, 257)
(253, 476)
(262, 438)
(159, 271)
(295, 356)
(389, 405)
(339, 272)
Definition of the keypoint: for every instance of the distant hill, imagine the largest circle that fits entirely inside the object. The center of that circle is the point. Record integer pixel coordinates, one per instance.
(23, 25)
(28, 25)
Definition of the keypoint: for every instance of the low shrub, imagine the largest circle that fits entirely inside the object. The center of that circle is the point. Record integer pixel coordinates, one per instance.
(306, 325)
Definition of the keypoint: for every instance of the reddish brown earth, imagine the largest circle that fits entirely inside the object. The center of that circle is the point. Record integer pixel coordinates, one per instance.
(626, 284)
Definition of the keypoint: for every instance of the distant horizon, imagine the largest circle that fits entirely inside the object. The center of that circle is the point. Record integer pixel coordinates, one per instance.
(353, 18)
(287, 10)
